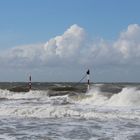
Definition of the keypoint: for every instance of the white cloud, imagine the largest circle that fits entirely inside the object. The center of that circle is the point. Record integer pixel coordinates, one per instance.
(21, 56)
(74, 48)
(128, 44)
(67, 47)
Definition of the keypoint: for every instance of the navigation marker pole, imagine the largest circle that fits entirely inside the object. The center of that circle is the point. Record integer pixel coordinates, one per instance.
(30, 82)
(88, 86)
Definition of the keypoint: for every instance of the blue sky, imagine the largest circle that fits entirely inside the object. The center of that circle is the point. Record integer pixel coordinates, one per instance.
(37, 21)
(30, 21)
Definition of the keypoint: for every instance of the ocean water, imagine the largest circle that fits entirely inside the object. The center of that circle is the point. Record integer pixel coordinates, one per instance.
(63, 111)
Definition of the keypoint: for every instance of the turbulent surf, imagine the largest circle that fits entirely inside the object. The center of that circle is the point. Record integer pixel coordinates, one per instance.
(64, 111)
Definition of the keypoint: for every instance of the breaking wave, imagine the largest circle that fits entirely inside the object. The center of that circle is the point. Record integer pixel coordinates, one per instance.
(94, 104)
(129, 96)
(22, 95)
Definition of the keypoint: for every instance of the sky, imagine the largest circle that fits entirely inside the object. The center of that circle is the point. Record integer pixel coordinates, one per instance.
(58, 40)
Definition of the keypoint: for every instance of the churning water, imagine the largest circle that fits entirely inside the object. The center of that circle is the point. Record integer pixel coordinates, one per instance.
(48, 112)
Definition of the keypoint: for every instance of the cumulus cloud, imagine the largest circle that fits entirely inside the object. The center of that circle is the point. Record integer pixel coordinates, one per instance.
(64, 50)
(22, 56)
(67, 47)
(128, 45)
(74, 48)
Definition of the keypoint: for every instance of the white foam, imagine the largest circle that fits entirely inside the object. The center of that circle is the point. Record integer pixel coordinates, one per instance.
(129, 96)
(60, 112)
(93, 97)
(95, 104)
(6, 137)
(22, 95)
(58, 100)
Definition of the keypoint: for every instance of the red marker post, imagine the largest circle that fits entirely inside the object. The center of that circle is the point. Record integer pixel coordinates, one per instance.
(30, 82)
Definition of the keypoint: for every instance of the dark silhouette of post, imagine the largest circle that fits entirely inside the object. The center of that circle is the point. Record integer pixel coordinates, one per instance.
(88, 80)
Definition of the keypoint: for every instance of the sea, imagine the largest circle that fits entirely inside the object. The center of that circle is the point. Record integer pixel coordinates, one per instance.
(68, 111)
